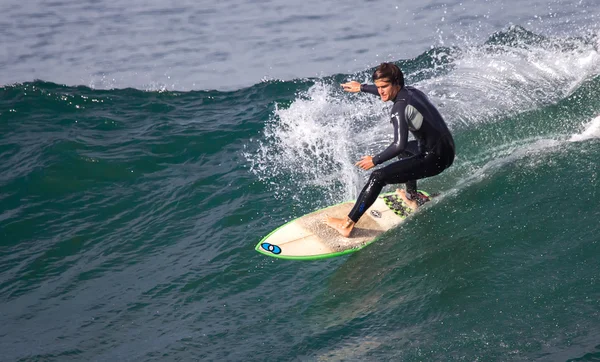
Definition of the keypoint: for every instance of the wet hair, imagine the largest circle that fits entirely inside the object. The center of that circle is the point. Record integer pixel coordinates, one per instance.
(391, 72)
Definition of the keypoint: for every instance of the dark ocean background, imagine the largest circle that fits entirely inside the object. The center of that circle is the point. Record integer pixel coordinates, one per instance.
(146, 147)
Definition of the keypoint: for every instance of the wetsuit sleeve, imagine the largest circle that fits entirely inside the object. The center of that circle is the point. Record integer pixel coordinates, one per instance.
(400, 136)
(369, 88)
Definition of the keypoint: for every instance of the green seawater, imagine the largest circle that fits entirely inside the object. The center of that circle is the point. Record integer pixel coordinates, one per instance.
(128, 218)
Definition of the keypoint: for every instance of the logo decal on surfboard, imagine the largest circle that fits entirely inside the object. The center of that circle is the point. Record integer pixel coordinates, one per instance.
(272, 248)
(376, 213)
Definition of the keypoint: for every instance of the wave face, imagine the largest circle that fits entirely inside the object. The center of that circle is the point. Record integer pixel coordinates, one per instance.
(128, 218)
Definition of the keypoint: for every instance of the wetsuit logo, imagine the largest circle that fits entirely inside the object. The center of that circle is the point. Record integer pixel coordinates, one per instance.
(271, 248)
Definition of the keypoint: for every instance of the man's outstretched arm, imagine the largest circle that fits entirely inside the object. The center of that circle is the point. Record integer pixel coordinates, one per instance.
(369, 88)
(355, 87)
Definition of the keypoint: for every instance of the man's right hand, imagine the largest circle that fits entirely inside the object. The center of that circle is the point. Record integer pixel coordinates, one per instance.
(352, 87)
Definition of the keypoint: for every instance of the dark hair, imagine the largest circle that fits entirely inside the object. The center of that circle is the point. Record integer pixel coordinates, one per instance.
(390, 71)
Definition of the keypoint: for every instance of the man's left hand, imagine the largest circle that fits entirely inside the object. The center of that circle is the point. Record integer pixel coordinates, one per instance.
(366, 163)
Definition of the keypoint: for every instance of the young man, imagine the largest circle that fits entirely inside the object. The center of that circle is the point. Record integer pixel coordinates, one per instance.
(430, 153)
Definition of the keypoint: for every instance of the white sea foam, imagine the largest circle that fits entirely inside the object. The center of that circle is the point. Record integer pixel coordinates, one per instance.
(592, 130)
(490, 81)
(316, 141)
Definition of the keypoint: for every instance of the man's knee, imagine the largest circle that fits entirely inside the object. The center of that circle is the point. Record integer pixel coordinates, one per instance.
(377, 177)
(405, 154)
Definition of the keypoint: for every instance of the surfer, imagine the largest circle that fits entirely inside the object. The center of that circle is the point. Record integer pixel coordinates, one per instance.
(429, 154)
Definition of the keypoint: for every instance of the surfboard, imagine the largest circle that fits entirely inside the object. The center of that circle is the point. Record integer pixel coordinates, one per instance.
(309, 238)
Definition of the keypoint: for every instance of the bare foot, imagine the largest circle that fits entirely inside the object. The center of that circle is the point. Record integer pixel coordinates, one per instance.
(410, 203)
(342, 226)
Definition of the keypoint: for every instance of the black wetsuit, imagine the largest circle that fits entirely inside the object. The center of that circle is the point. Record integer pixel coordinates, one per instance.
(430, 153)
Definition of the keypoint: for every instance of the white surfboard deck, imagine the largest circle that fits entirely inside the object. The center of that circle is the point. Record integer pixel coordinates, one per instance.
(308, 237)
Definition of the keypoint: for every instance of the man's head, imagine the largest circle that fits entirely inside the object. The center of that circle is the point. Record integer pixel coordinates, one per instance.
(391, 72)
(389, 80)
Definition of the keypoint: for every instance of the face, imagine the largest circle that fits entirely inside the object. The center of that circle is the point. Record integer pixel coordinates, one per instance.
(386, 90)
